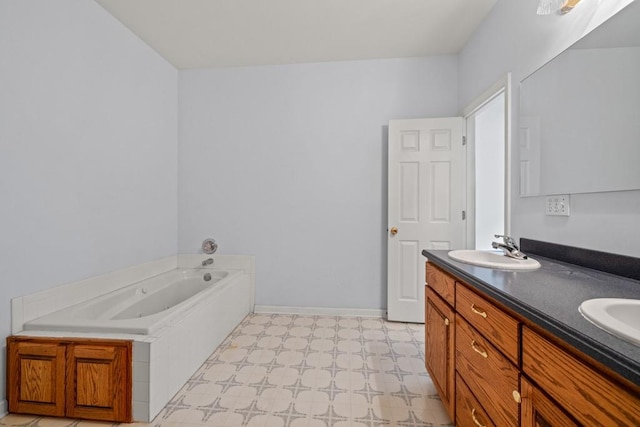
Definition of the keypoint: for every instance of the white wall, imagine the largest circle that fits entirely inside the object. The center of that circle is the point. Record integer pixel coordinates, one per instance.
(513, 38)
(88, 141)
(288, 163)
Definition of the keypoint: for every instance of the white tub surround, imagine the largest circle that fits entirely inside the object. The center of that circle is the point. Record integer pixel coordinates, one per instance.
(32, 306)
(246, 263)
(142, 308)
(175, 347)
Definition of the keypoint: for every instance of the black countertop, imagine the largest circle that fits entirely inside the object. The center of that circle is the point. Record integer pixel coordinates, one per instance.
(550, 296)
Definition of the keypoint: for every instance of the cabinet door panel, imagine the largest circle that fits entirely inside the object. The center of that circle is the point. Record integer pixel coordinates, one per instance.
(95, 383)
(540, 411)
(101, 379)
(35, 378)
(586, 394)
(439, 352)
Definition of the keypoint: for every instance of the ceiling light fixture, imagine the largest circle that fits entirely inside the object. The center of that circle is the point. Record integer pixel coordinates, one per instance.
(568, 6)
(547, 7)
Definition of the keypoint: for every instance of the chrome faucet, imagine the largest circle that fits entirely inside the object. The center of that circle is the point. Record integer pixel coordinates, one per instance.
(207, 261)
(509, 247)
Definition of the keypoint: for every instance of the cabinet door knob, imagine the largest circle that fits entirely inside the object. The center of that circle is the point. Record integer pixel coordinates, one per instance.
(446, 321)
(393, 231)
(478, 312)
(475, 420)
(478, 350)
(516, 396)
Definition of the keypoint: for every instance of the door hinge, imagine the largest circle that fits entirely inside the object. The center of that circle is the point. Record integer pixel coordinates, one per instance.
(464, 140)
(464, 215)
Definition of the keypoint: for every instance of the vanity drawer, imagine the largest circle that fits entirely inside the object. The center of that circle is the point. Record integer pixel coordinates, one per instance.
(469, 412)
(489, 374)
(491, 321)
(588, 395)
(443, 283)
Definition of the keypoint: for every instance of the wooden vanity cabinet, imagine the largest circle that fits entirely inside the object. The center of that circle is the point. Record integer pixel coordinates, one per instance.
(507, 371)
(89, 379)
(440, 334)
(472, 353)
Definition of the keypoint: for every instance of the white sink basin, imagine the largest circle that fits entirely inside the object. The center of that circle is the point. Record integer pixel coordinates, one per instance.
(618, 316)
(493, 259)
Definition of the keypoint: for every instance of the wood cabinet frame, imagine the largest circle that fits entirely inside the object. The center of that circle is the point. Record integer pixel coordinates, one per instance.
(76, 378)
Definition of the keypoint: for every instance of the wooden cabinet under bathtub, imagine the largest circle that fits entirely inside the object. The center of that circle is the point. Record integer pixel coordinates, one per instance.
(74, 378)
(492, 367)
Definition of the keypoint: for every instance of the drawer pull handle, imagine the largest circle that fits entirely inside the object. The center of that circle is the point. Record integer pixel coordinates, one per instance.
(475, 420)
(478, 350)
(478, 312)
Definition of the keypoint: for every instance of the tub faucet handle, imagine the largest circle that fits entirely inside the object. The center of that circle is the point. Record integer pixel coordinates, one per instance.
(209, 246)
(207, 261)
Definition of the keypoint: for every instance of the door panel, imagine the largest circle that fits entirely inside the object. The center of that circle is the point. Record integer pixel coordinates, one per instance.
(410, 187)
(425, 205)
(407, 290)
(35, 380)
(102, 379)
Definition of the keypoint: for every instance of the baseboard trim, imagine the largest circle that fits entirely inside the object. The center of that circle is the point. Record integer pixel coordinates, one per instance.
(319, 311)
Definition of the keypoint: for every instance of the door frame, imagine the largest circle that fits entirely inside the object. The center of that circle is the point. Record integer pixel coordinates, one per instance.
(502, 86)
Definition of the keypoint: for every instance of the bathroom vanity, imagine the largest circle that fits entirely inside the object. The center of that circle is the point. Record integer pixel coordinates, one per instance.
(510, 348)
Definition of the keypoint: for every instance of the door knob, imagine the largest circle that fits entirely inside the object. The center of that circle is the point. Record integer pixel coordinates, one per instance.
(393, 231)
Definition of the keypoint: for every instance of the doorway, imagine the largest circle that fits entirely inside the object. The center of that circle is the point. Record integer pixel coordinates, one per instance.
(487, 166)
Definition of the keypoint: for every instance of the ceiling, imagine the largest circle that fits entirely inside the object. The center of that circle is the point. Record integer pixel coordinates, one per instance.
(225, 33)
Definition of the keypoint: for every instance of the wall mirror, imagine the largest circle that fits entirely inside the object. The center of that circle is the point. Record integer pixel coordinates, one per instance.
(580, 114)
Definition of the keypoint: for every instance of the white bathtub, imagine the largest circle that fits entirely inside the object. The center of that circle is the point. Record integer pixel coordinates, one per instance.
(141, 308)
(169, 344)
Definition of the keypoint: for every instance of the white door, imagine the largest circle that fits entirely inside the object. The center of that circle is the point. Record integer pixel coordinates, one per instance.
(426, 198)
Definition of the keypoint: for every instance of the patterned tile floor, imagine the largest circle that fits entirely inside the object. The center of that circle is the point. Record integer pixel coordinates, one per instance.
(292, 370)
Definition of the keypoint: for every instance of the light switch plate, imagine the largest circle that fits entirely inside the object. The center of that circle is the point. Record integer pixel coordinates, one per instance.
(558, 205)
